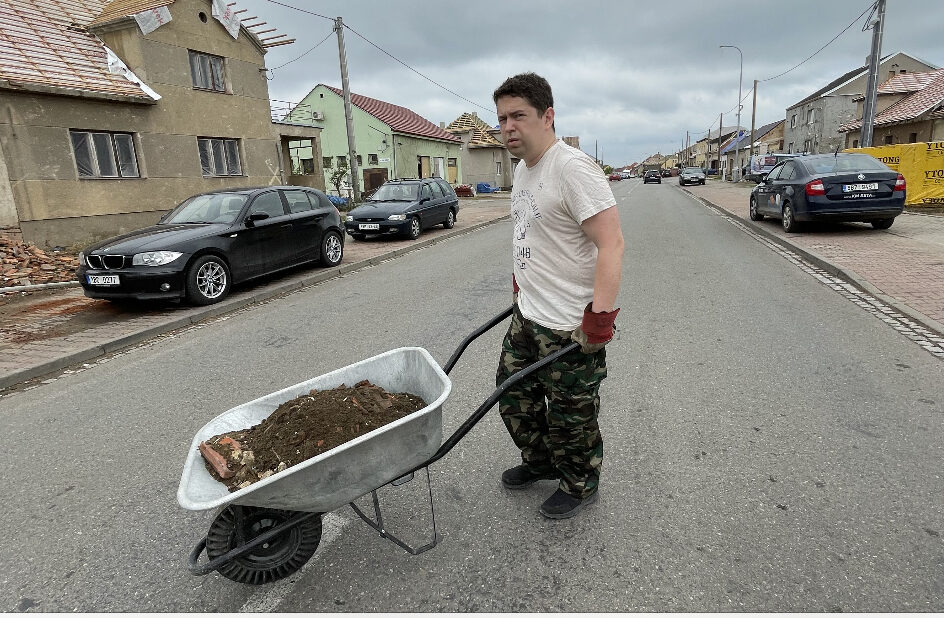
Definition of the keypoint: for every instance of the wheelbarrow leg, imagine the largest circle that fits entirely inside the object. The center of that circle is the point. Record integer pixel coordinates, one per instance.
(378, 524)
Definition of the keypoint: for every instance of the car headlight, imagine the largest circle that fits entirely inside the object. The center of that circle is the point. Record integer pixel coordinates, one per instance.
(396, 218)
(349, 218)
(155, 258)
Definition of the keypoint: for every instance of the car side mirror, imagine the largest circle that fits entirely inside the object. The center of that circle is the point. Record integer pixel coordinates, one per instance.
(256, 216)
(424, 200)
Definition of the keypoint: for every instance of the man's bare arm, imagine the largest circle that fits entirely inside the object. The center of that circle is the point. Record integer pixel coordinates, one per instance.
(603, 229)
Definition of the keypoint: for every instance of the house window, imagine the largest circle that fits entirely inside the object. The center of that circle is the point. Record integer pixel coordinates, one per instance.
(912, 138)
(104, 155)
(342, 161)
(809, 116)
(790, 149)
(889, 140)
(855, 143)
(498, 168)
(301, 153)
(326, 162)
(207, 71)
(359, 161)
(793, 121)
(219, 156)
(372, 159)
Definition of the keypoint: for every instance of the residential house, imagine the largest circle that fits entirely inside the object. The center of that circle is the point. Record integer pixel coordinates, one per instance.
(483, 157)
(572, 141)
(812, 124)
(111, 113)
(705, 150)
(390, 141)
(909, 108)
(769, 138)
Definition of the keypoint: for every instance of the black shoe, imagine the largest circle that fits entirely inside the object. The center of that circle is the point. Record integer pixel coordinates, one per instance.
(562, 505)
(521, 476)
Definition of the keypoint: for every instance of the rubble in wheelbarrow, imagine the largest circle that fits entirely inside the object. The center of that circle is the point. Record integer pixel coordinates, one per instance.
(302, 428)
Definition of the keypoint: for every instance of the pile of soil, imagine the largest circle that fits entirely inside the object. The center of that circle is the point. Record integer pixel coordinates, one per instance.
(303, 428)
(25, 264)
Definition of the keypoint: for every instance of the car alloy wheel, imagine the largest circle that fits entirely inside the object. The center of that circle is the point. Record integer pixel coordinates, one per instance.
(332, 249)
(789, 221)
(450, 220)
(755, 216)
(415, 228)
(207, 280)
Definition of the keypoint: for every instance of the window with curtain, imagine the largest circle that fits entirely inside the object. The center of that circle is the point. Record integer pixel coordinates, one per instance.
(219, 156)
(99, 154)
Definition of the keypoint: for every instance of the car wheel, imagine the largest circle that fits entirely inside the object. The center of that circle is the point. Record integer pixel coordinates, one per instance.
(755, 216)
(790, 224)
(415, 228)
(358, 236)
(332, 249)
(702, 182)
(208, 280)
(882, 224)
(450, 220)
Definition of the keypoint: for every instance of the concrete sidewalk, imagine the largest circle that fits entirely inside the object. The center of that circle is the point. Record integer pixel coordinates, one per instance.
(30, 348)
(903, 265)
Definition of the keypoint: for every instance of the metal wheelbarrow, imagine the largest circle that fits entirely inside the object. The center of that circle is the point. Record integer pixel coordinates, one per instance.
(269, 530)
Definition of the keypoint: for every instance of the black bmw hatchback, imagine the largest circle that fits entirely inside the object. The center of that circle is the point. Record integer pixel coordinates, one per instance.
(212, 241)
(830, 187)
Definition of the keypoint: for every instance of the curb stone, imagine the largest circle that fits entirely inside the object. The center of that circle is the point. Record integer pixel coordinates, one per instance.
(212, 311)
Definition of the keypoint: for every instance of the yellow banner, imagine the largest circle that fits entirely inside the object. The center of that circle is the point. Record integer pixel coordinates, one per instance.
(921, 164)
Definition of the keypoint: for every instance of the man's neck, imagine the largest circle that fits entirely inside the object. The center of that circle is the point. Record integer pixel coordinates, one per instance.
(547, 147)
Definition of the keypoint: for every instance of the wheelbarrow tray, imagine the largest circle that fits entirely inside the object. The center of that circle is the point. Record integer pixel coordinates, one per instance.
(342, 474)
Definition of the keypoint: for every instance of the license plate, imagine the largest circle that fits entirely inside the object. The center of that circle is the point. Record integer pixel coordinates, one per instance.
(868, 186)
(369, 226)
(103, 280)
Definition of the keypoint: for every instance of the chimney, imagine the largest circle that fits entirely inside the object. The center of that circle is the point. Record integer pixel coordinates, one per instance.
(442, 125)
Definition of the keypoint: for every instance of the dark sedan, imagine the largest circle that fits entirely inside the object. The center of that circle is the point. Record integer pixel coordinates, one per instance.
(405, 207)
(830, 187)
(212, 241)
(652, 176)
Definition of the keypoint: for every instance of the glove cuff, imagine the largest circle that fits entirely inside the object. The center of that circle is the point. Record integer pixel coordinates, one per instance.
(514, 284)
(598, 326)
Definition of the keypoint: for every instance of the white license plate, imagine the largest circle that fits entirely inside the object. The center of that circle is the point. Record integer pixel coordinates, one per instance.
(103, 280)
(868, 186)
(369, 226)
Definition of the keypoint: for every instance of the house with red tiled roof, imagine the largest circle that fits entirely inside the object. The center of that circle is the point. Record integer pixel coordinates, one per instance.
(115, 111)
(909, 108)
(485, 159)
(390, 141)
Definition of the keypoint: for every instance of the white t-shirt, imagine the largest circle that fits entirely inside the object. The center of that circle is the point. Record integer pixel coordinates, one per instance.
(554, 260)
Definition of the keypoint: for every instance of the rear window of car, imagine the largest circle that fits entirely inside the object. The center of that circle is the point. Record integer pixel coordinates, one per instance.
(845, 163)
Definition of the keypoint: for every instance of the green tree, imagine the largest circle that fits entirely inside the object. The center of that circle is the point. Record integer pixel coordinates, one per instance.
(338, 175)
(607, 169)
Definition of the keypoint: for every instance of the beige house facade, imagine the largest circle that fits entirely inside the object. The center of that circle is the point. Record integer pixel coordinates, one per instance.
(145, 122)
(485, 159)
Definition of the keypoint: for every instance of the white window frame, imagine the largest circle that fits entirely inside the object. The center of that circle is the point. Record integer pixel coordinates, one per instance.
(103, 151)
(793, 121)
(219, 156)
(208, 79)
(498, 166)
(810, 116)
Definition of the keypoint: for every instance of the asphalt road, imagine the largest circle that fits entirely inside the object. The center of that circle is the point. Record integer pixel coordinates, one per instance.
(769, 446)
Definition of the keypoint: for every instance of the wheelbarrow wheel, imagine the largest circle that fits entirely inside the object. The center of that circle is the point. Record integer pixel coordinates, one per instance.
(271, 561)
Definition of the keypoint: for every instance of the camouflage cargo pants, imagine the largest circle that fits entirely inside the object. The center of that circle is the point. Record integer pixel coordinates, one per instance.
(552, 415)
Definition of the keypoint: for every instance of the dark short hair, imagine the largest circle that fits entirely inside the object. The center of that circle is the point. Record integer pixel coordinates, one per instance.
(529, 86)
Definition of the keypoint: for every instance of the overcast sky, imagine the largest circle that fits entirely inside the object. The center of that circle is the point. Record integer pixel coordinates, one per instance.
(629, 78)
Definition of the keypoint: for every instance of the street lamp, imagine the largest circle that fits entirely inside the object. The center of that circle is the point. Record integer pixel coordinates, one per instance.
(736, 174)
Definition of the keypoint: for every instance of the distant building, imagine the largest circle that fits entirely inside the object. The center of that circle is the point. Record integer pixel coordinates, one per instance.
(484, 157)
(572, 141)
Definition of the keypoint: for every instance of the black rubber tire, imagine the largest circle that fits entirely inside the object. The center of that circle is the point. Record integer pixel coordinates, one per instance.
(882, 224)
(416, 228)
(270, 562)
(332, 249)
(450, 221)
(755, 216)
(208, 280)
(789, 222)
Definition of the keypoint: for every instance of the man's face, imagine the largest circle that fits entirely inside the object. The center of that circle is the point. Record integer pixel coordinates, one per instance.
(527, 134)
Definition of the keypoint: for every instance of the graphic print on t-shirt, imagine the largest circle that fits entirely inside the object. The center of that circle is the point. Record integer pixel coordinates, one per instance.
(525, 211)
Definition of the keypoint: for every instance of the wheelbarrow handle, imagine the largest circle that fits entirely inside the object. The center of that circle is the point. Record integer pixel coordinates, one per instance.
(465, 343)
(502, 388)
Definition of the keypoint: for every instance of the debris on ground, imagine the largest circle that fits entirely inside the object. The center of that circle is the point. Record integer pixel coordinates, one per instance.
(302, 428)
(25, 264)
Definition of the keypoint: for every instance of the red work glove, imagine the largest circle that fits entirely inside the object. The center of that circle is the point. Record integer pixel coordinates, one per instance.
(514, 286)
(595, 330)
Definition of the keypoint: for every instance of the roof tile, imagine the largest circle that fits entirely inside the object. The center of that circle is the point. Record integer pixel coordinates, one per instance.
(927, 99)
(400, 119)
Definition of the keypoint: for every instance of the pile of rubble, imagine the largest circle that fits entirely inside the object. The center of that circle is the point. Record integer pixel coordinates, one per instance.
(23, 264)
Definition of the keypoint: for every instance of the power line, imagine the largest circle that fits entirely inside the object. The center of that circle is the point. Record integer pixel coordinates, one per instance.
(289, 6)
(306, 53)
(869, 8)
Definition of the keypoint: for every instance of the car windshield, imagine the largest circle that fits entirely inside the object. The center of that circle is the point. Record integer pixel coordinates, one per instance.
(845, 163)
(212, 208)
(396, 193)
(693, 170)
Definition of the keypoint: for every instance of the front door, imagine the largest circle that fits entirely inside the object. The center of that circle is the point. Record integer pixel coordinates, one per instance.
(373, 178)
(422, 167)
(271, 239)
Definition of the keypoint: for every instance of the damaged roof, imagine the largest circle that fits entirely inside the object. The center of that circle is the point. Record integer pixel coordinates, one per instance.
(926, 99)
(481, 131)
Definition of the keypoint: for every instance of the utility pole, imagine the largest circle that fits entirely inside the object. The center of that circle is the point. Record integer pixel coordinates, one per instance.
(868, 112)
(753, 120)
(720, 129)
(348, 116)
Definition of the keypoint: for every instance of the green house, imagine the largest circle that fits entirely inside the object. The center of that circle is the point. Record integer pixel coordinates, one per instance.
(390, 141)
